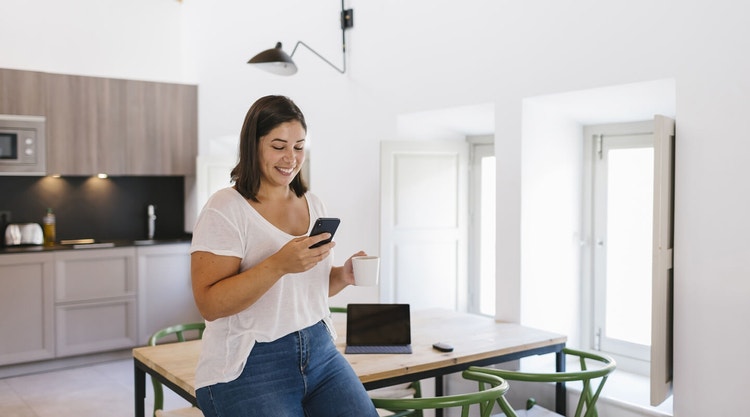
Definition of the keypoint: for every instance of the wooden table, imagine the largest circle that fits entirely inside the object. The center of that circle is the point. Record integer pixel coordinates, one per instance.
(476, 340)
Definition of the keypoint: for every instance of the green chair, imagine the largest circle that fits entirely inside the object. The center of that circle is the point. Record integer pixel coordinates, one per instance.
(177, 332)
(593, 380)
(491, 390)
(337, 309)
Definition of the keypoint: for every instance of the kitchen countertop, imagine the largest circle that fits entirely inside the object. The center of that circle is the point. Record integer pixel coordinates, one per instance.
(97, 244)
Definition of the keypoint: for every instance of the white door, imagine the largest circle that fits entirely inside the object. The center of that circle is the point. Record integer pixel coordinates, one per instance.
(424, 203)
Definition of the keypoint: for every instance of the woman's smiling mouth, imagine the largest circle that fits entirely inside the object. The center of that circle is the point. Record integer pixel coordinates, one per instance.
(285, 171)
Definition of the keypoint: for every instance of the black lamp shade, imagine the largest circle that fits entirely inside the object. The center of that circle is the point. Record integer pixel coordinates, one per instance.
(274, 60)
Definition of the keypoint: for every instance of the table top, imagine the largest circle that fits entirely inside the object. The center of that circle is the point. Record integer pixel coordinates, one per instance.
(473, 337)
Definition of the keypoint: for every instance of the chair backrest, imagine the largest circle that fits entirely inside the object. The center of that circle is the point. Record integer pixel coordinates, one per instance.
(593, 380)
(179, 331)
(491, 390)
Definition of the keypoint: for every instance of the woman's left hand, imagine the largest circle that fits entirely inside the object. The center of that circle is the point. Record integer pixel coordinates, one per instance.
(348, 271)
(342, 276)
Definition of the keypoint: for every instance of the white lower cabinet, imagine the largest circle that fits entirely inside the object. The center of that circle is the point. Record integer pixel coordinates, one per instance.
(165, 294)
(26, 314)
(95, 300)
(95, 327)
(59, 304)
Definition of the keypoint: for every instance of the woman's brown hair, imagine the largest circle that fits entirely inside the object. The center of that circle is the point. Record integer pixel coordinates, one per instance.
(264, 115)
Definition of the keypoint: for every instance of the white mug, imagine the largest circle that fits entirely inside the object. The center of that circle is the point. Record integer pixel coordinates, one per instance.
(366, 270)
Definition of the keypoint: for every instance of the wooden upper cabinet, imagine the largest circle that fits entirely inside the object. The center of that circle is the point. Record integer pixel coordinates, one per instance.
(69, 152)
(103, 125)
(21, 92)
(85, 118)
(162, 128)
(109, 131)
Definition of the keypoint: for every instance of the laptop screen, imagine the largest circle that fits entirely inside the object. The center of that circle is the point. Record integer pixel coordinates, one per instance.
(378, 324)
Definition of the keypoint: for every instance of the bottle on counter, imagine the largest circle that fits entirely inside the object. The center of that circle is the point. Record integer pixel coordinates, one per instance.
(151, 220)
(48, 226)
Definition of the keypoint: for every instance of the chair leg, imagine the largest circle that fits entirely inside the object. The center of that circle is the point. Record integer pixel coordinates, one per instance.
(530, 403)
(417, 386)
(158, 396)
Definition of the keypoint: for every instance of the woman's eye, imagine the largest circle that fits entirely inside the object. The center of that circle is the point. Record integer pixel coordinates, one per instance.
(299, 148)
(278, 148)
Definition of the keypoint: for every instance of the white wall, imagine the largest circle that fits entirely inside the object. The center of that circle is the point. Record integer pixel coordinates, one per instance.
(404, 60)
(139, 39)
(551, 220)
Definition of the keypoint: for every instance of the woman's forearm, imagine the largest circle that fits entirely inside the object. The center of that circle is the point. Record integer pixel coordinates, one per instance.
(224, 297)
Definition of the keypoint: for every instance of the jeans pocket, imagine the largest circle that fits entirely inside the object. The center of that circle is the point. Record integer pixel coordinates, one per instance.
(331, 330)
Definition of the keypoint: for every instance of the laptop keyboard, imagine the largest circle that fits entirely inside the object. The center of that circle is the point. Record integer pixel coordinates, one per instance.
(378, 349)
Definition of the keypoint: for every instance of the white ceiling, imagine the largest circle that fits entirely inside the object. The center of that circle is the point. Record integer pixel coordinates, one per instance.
(449, 123)
(622, 103)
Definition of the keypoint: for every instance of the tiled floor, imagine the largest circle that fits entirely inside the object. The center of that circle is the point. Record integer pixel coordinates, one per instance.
(106, 390)
(102, 390)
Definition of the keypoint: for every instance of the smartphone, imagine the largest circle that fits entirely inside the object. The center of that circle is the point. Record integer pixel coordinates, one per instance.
(322, 225)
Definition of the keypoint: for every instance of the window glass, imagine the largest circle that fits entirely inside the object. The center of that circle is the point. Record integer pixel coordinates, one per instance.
(628, 246)
(481, 283)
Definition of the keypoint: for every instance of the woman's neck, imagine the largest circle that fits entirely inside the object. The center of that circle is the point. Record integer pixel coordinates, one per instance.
(277, 194)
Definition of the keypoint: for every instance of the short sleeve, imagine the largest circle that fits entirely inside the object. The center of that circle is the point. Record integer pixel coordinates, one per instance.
(217, 229)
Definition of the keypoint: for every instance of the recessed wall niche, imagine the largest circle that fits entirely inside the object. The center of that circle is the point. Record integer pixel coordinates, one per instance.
(113, 208)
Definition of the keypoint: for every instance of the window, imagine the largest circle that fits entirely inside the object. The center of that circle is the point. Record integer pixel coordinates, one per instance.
(622, 232)
(482, 229)
(628, 209)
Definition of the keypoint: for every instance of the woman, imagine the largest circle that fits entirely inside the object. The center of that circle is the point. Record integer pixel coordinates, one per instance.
(268, 346)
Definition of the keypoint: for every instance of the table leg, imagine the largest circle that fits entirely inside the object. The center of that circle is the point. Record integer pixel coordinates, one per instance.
(140, 391)
(560, 391)
(439, 393)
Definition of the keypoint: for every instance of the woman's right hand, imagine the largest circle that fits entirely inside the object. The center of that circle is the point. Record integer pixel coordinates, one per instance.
(297, 256)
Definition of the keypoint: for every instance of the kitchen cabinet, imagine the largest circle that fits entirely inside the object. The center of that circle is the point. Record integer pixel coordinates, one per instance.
(161, 129)
(26, 315)
(63, 303)
(85, 125)
(95, 300)
(165, 294)
(106, 125)
(20, 92)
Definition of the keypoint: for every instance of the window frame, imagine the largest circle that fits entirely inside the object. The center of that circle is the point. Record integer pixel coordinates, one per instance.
(479, 147)
(630, 357)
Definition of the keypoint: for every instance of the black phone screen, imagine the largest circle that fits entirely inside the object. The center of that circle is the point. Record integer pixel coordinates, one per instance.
(322, 225)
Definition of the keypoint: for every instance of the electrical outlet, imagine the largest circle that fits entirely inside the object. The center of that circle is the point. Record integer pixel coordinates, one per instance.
(4, 216)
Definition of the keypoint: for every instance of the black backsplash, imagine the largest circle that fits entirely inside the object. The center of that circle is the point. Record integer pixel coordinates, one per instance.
(113, 208)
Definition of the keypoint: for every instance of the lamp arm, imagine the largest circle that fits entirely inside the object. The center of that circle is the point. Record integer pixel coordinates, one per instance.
(343, 54)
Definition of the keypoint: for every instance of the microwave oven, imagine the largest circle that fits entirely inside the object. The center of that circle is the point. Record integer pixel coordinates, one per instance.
(22, 145)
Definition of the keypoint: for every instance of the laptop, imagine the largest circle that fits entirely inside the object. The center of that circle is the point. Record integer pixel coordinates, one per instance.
(378, 328)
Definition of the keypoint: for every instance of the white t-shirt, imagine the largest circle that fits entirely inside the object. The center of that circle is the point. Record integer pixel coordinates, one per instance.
(229, 226)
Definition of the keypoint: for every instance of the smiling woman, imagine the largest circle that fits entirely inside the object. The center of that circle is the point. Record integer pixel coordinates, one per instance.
(251, 254)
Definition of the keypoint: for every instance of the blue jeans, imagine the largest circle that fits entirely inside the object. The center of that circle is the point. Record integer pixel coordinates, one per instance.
(301, 374)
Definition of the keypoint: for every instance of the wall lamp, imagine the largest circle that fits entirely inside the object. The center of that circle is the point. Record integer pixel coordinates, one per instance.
(276, 61)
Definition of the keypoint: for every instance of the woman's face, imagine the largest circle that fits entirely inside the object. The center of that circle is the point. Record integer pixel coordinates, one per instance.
(282, 152)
